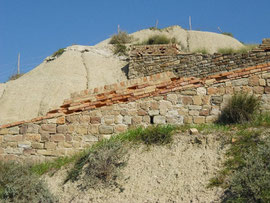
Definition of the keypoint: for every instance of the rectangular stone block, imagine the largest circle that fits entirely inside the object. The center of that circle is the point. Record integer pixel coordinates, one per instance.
(198, 119)
(105, 129)
(32, 137)
(37, 145)
(13, 138)
(24, 144)
(57, 138)
(50, 145)
(49, 128)
(159, 120)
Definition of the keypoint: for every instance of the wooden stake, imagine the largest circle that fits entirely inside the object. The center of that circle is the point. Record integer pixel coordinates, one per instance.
(118, 29)
(190, 27)
(18, 68)
(156, 23)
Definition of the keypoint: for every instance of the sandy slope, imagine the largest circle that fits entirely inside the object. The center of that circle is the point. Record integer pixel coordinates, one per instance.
(46, 86)
(82, 67)
(161, 174)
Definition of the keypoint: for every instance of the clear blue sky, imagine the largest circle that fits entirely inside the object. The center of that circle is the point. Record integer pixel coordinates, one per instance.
(37, 28)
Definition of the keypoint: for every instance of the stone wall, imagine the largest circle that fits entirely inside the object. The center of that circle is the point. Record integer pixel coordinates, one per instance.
(99, 113)
(196, 65)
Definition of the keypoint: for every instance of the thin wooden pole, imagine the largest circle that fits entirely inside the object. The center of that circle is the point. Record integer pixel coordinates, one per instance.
(156, 23)
(118, 29)
(190, 27)
(18, 68)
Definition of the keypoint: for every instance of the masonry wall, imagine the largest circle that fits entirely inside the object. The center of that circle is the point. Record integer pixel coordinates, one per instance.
(196, 65)
(158, 99)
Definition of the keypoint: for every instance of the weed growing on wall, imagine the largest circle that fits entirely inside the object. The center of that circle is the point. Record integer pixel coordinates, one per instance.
(241, 108)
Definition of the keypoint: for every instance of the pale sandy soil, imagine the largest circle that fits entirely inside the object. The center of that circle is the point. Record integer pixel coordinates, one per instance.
(160, 174)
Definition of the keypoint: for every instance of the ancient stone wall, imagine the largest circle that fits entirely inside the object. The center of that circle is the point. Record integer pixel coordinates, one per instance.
(196, 65)
(99, 113)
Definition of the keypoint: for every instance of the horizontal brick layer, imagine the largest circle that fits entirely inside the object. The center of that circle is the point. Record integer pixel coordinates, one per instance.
(136, 89)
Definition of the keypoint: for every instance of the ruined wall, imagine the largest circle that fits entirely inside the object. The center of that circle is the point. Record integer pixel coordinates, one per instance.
(99, 113)
(186, 65)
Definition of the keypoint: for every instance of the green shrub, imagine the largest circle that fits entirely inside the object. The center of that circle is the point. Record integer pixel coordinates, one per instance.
(59, 52)
(226, 51)
(15, 76)
(158, 39)
(241, 108)
(18, 184)
(202, 51)
(157, 135)
(100, 166)
(120, 49)
(251, 183)
(121, 38)
(227, 33)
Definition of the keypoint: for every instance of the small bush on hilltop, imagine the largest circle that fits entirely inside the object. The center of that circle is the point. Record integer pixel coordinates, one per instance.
(227, 33)
(18, 184)
(241, 108)
(121, 38)
(159, 39)
(15, 76)
(59, 52)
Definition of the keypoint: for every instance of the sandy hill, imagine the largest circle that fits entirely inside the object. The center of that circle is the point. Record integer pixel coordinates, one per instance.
(82, 67)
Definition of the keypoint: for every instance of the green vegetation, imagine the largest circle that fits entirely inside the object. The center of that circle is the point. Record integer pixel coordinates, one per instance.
(18, 184)
(15, 76)
(201, 51)
(158, 39)
(227, 33)
(119, 40)
(240, 109)
(243, 50)
(58, 53)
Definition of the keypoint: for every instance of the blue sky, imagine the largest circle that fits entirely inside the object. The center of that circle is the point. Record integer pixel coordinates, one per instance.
(37, 28)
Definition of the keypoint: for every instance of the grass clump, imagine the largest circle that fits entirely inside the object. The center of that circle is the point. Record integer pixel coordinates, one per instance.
(228, 34)
(243, 50)
(19, 184)
(58, 53)
(159, 39)
(201, 51)
(119, 40)
(15, 76)
(241, 108)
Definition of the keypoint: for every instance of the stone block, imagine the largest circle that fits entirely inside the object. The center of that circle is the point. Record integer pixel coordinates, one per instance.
(262, 82)
(240, 82)
(2, 151)
(84, 119)
(4, 131)
(136, 120)
(81, 129)
(201, 91)
(37, 145)
(193, 112)
(108, 120)
(1, 139)
(50, 145)
(105, 129)
(62, 129)
(77, 145)
(188, 119)
(172, 98)
(186, 100)
(57, 138)
(90, 138)
(118, 119)
(194, 107)
(95, 120)
(164, 106)
(146, 119)
(154, 105)
(178, 120)
(93, 129)
(13, 138)
(49, 128)
(267, 90)
(159, 120)
(212, 90)
(189, 92)
(193, 131)
(253, 80)
(120, 128)
(258, 90)
(14, 130)
(153, 112)
(29, 128)
(24, 144)
(106, 136)
(204, 112)
(198, 119)
(211, 119)
(64, 145)
(142, 112)
(197, 100)
(14, 151)
(216, 100)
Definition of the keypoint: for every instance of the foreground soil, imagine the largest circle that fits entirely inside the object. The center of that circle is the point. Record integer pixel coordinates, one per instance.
(178, 172)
